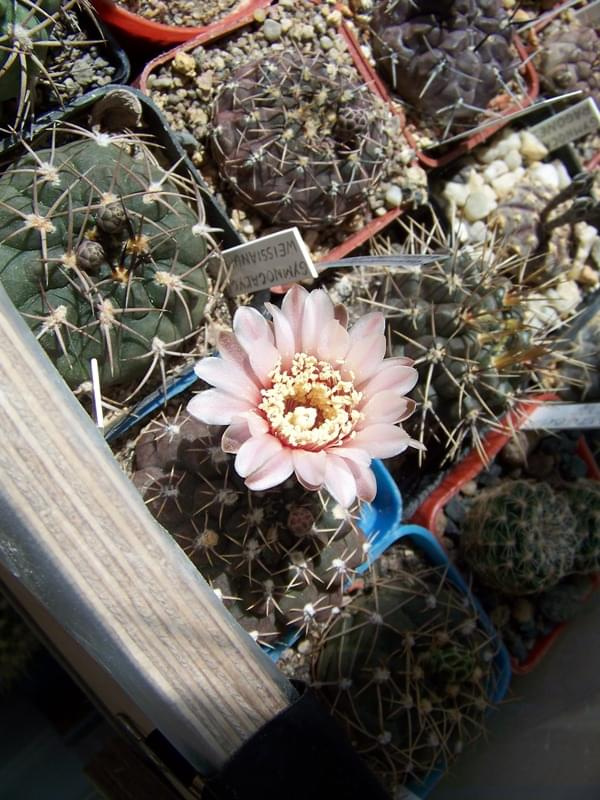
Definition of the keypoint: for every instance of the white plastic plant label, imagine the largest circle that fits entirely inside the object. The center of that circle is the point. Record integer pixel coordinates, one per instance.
(561, 416)
(568, 125)
(272, 260)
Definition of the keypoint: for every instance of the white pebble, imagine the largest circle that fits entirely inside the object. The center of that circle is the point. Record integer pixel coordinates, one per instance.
(494, 170)
(513, 159)
(474, 180)
(456, 193)
(564, 179)
(478, 231)
(393, 197)
(531, 147)
(545, 174)
(506, 183)
(480, 203)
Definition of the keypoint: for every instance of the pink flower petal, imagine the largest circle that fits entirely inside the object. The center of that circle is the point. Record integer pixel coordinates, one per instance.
(399, 378)
(273, 472)
(309, 468)
(383, 440)
(284, 336)
(366, 483)
(292, 307)
(364, 357)
(255, 452)
(386, 406)
(355, 454)
(217, 408)
(264, 359)
(229, 377)
(333, 342)
(256, 423)
(339, 481)
(369, 325)
(250, 327)
(318, 310)
(235, 436)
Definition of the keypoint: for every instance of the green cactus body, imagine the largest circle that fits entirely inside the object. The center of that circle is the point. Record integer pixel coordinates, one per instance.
(447, 59)
(99, 252)
(406, 669)
(465, 325)
(298, 142)
(519, 537)
(283, 555)
(583, 498)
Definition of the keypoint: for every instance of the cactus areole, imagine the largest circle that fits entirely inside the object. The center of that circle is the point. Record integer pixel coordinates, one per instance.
(100, 253)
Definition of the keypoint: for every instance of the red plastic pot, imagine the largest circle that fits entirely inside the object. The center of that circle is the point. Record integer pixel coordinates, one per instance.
(373, 79)
(137, 27)
(373, 226)
(427, 513)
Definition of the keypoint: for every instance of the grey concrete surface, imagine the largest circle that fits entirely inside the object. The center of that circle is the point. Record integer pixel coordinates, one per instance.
(544, 740)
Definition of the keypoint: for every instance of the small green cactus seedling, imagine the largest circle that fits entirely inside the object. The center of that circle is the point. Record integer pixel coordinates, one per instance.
(102, 252)
(447, 59)
(407, 670)
(279, 558)
(519, 537)
(297, 143)
(583, 498)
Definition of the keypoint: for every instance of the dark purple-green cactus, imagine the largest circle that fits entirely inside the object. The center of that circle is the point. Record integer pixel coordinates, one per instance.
(297, 142)
(447, 59)
(407, 670)
(278, 558)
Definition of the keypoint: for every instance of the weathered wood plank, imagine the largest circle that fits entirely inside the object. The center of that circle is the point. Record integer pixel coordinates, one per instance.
(76, 534)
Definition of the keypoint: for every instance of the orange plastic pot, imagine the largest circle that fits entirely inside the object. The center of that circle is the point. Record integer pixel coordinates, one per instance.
(476, 461)
(137, 27)
(503, 102)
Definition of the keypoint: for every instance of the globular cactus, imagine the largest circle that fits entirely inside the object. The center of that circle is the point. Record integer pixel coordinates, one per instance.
(279, 559)
(447, 59)
(102, 253)
(299, 143)
(569, 60)
(30, 30)
(539, 260)
(465, 324)
(408, 671)
(583, 498)
(519, 537)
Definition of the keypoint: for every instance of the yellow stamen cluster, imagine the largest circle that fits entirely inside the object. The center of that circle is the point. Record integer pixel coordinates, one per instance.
(309, 405)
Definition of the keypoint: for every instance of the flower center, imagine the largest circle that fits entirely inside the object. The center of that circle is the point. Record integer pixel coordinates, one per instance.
(309, 405)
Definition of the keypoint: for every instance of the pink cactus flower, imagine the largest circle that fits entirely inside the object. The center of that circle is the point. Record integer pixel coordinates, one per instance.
(301, 394)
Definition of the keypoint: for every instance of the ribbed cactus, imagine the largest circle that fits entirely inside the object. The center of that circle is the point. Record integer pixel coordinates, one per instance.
(279, 558)
(447, 59)
(299, 139)
(407, 670)
(569, 60)
(519, 537)
(583, 498)
(102, 253)
(465, 324)
(516, 220)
